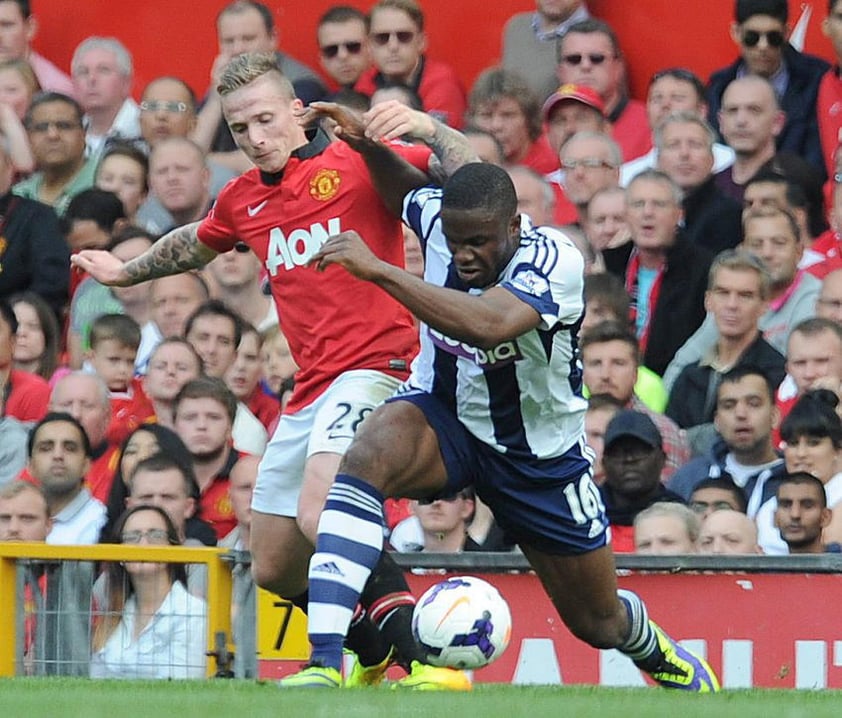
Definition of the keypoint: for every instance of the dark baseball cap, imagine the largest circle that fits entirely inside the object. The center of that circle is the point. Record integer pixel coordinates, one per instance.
(635, 424)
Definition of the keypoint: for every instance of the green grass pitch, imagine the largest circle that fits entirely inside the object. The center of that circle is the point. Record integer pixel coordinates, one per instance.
(78, 698)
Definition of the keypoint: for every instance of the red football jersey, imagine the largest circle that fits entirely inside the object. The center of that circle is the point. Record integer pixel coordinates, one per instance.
(129, 410)
(333, 321)
(622, 539)
(101, 474)
(28, 397)
(215, 502)
(266, 408)
(216, 509)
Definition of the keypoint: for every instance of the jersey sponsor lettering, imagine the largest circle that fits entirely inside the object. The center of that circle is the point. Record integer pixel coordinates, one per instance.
(295, 250)
(501, 355)
(327, 316)
(521, 397)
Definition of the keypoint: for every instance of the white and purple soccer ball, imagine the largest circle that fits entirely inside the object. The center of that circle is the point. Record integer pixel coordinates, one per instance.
(462, 622)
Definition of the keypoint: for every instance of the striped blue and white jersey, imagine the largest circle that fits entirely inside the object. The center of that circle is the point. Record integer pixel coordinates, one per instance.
(523, 397)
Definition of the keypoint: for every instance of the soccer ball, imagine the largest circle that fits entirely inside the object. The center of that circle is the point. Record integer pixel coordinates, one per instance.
(462, 622)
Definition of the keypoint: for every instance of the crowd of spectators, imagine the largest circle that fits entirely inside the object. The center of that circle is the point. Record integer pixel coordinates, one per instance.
(708, 215)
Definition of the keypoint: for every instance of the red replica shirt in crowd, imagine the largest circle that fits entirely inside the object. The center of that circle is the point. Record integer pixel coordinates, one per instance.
(829, 115)
(827, 245)
(101, 474)
(333, 321)
(541, 157)
(129, 410)
(622, 539)
(630, 130)
(266, 408)
(28, 397)
(215, 502)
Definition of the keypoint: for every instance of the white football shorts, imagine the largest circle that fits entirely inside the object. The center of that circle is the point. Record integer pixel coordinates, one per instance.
(326, 425)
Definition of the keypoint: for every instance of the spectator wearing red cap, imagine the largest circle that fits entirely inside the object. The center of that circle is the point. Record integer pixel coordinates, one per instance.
(570, 109)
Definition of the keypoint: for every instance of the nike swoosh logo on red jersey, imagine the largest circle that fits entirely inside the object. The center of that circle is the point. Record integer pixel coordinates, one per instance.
(256, 209)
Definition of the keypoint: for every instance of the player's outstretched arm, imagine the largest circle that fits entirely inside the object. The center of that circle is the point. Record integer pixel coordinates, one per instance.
(175, 252)
(483, 321)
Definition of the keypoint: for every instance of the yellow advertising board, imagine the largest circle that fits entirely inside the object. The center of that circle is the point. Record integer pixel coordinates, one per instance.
(281, 629)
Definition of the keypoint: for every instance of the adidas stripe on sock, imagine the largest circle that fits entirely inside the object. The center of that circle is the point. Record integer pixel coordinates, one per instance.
(348, 546)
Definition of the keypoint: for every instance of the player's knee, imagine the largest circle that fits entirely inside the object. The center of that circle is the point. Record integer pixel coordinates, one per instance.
(270, 578)
(263, 574)
(370, 460)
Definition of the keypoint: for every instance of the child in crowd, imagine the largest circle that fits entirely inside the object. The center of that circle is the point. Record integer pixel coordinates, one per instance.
(278, 365)
(114, 341)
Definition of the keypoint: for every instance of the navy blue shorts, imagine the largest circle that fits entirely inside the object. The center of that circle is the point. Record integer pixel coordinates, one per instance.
(549, 504)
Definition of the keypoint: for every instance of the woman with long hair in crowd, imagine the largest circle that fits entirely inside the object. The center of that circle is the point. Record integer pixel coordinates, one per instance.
(38, 336)
(151, 627)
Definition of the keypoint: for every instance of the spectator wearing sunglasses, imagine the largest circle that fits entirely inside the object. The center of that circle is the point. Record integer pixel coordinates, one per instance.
(529, 41)
(56, 134)
(439, 524)
(344, 54)
(397, 42)
(589, 54)
(761, 31)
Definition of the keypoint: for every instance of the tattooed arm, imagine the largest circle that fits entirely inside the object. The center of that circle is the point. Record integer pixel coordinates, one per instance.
(175, 252)
(393, 120)
(392, 175)
(451, 150)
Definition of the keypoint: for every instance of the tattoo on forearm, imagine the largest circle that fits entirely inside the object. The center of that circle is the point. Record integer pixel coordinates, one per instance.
(175, 252)
(451, 148)
(436, 171)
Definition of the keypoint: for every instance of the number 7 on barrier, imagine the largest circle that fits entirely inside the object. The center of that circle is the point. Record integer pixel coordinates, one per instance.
(281, 629)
